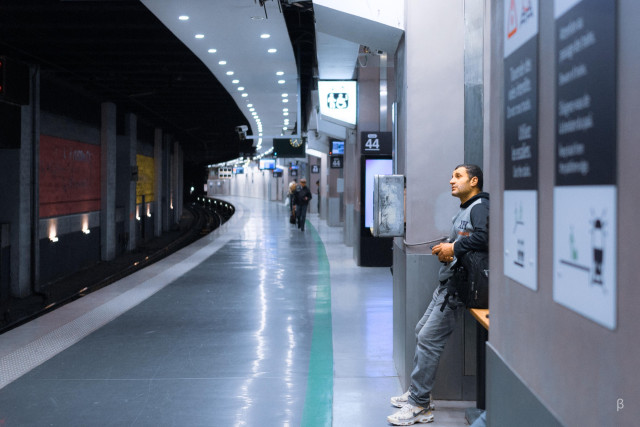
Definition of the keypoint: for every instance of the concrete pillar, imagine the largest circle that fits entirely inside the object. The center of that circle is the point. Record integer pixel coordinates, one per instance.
(175, 183)
(166, 182)
(324, 186)
(131, 130)
(180, 184)
(24, 256)
(157, 197)
(430, 82)
(108, 181)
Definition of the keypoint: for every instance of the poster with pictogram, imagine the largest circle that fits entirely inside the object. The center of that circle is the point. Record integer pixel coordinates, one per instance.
(585, 191)
(520, 198)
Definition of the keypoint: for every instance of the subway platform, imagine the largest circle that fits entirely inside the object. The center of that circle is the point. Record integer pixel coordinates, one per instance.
(255, 324)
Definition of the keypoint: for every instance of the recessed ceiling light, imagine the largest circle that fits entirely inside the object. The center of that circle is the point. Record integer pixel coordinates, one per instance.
(285, 109)
(199, 36)
(235, 81)
(285, 114)
(240, 87)
(222, 62)
(284, 95)
(244, 95)
(279, 73)
(257, 18)
(272, 50)
(229, 73)
(265, 36)
(281, 82)
(212, 50)
(252, 109)
(183, 17)
(285, 100)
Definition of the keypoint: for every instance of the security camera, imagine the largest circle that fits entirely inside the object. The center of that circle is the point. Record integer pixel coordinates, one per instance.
(242, 132)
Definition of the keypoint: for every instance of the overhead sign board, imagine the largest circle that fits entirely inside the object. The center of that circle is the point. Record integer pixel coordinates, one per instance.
(338, 101)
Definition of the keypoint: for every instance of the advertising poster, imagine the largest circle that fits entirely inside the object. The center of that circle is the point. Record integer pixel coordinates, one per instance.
(146, 177)
(521, 142)
(69, 177)
(585, 193)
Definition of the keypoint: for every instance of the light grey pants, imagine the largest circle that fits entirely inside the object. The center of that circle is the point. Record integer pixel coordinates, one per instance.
(432, 332)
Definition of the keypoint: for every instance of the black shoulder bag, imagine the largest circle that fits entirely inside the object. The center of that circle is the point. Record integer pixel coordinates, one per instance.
(470, 281)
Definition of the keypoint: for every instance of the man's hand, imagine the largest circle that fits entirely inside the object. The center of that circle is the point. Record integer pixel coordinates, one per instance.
(444, 251)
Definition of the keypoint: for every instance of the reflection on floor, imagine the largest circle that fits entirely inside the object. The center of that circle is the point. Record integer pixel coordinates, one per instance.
(220, 333)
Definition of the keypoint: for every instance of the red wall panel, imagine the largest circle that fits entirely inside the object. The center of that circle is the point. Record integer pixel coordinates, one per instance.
(69, 177)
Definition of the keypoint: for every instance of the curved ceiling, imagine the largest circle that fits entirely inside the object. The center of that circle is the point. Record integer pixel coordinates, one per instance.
(247, 47)
(147, 60)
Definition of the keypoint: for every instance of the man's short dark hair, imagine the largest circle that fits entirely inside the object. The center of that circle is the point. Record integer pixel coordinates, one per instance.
(473, 170)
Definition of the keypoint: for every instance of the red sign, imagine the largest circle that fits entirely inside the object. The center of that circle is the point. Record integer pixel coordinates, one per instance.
(69, 177)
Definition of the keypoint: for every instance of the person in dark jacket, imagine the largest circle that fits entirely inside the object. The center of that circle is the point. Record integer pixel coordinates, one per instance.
(303, 195)
(469, 232)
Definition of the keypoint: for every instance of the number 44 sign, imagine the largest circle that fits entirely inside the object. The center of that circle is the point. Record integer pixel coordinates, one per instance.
(376, 143)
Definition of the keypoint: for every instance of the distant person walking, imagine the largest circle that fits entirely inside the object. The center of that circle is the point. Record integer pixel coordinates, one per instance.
(292, 201)
(302, 197)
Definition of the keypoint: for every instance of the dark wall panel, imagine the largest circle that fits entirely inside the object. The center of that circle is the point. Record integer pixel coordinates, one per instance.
(71, 253)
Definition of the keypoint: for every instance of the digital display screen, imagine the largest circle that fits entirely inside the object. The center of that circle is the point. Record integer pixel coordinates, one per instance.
(238, 170)
(337, 148)
(267, 164)
(373, 167)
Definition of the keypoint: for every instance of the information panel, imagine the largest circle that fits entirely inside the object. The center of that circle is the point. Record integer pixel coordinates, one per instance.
(585, 193)
(521, 142)
(374, 143)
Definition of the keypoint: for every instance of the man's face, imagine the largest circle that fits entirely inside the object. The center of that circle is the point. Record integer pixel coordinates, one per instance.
(303, 183)
(461, 186)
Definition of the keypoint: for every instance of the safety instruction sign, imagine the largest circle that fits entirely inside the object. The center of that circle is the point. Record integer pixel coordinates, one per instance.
(585, 193)
(521, 141)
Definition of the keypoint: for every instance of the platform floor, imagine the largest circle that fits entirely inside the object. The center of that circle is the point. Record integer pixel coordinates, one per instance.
(256, 324)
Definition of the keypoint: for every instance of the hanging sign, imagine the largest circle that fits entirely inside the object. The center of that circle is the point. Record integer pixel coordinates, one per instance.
(585, 193)
(336, 162)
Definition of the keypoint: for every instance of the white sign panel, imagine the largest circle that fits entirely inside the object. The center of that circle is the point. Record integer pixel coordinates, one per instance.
(521, 23)
(584, 250)
(338, 101)
(521, 237)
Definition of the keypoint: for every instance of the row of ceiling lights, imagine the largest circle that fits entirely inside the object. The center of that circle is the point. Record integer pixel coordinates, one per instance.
(285, 111)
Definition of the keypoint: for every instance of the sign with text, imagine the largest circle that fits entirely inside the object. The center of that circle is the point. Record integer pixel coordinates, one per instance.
(521, 95)
(336, 162)
(520, 225)
(376, 143)
(585, 193)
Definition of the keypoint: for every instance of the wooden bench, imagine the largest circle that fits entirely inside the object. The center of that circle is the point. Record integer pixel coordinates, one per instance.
(482, 335)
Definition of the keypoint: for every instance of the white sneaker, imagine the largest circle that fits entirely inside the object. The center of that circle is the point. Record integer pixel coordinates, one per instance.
(410, 415)
(400, 401)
